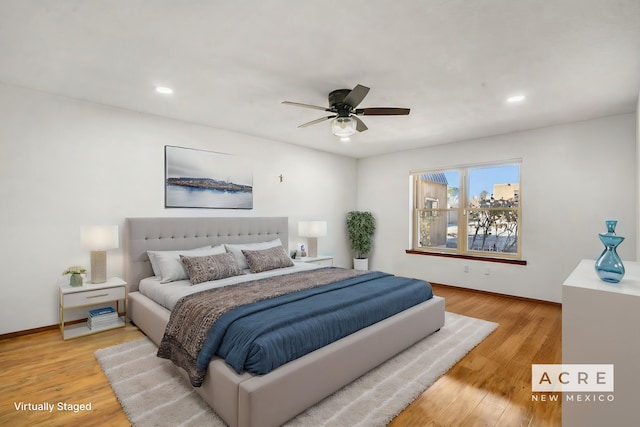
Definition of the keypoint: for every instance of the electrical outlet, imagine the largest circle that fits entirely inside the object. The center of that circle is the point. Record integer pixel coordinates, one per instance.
(487, 271)
(465, 268)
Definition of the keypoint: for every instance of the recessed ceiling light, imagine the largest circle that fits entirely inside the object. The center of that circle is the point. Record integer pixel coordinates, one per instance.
(516, 98)
(164, 90)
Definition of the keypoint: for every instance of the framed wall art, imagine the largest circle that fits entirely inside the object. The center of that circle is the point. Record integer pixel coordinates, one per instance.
(206, 179)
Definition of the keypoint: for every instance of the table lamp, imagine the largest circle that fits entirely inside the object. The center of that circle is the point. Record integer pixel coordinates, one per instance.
(98, 239)
(312, 230)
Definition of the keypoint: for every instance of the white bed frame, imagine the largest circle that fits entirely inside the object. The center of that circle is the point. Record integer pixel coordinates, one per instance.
(249, 400)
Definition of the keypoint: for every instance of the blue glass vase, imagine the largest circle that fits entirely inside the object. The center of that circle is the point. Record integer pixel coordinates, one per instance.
(609, 266)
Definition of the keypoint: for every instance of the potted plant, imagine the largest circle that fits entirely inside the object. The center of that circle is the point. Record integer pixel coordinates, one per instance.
(360, 228)
(76, 272)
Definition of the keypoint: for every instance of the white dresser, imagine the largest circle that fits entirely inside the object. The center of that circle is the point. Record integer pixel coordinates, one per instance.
(601, 325)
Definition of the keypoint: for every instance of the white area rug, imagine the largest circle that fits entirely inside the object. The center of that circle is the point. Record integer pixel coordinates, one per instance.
(153, 393)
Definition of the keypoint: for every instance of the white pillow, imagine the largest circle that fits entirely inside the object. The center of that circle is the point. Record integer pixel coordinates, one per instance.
(169, 265)
(236, 250)
(154, 264)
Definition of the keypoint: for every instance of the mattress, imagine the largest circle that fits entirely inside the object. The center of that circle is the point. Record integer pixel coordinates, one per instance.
(168, 294)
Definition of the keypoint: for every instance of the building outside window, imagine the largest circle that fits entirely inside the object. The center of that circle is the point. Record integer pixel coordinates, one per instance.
(471, 210)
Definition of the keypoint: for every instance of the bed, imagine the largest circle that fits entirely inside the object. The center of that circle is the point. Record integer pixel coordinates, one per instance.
(245, 399)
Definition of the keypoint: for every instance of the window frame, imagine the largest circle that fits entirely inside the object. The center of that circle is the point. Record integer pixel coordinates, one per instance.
(462, 211)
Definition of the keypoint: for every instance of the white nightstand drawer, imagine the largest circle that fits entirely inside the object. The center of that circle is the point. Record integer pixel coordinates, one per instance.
(323, 260)
(93, 297)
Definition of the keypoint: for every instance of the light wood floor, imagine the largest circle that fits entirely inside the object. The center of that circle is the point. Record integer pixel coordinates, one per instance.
(488, 387)
(491, 386)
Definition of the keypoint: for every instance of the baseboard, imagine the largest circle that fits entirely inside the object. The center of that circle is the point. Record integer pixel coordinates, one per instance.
(480, 291)
(29, 331)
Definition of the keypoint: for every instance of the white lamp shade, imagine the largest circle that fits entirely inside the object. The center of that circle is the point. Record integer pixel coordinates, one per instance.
(312, 228)
(99, 237)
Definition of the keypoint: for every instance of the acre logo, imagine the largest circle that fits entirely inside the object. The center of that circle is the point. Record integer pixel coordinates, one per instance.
(572, 378)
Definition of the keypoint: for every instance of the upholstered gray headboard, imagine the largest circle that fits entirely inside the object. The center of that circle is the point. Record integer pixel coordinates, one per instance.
(166, 233)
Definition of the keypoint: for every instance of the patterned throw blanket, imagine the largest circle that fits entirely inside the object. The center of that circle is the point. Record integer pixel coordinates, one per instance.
(194, 315)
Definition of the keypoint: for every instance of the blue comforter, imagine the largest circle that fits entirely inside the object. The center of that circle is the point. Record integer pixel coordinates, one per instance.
(262, 336)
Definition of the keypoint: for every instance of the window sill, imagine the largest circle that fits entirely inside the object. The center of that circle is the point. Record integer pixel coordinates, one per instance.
(470, 257)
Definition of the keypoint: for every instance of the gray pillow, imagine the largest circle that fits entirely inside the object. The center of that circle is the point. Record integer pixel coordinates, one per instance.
(210, 267)
(267, 259)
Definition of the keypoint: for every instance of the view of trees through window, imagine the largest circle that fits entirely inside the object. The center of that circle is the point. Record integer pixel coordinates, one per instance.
(471, 210)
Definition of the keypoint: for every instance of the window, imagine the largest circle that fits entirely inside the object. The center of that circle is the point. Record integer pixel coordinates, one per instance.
(471, 210)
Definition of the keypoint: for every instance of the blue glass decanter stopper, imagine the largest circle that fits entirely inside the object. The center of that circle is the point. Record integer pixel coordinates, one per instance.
(611, 226)
(609, 266)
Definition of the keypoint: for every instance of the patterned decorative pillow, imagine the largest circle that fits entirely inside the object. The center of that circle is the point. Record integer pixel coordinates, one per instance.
(236, 249)
(210, 267)
(267, 259)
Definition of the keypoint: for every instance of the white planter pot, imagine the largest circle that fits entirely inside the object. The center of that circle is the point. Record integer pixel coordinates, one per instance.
(361, 263)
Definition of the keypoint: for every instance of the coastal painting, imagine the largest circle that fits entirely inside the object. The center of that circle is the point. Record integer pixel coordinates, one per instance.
(206, 179)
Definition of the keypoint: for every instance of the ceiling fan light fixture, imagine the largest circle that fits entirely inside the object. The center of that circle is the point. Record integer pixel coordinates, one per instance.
(343, 127)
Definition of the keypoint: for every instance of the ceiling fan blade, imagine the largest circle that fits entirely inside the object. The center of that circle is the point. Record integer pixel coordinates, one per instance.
(355, 97)
(313, 122)
(297, 104)
(360, 126)
(382, 111)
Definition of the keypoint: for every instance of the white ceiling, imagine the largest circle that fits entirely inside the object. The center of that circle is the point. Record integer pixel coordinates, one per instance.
(231, 63)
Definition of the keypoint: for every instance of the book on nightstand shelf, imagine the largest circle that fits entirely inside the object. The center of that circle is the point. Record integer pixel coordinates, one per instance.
(101, 317)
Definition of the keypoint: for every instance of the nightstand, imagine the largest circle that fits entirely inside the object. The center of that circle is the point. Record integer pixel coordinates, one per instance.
(324, 260)
(90, 296)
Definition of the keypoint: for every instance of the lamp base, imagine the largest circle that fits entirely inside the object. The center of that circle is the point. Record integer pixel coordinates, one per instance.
(312, 243)
(98, 266)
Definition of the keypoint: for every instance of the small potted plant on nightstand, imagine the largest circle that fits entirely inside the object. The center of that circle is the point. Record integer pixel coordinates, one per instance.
(76, 271)
(360, 228)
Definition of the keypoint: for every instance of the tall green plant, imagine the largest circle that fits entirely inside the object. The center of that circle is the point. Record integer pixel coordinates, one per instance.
(360, 228)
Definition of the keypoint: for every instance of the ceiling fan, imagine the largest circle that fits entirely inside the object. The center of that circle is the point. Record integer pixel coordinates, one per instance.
(343, 103)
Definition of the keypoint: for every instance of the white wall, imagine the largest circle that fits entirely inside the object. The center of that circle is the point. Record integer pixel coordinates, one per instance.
(573, 177)
(66, 163)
